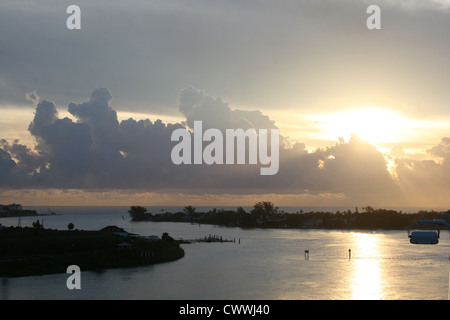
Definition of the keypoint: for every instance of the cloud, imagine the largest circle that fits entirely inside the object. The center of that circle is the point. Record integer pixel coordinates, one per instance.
(270, 54)
(33, 97)
(46, 114)
(280, 55)
(442, 150)
(6, 166)
(94, 151)
(426, 181)
(397, 151)
(197, 105)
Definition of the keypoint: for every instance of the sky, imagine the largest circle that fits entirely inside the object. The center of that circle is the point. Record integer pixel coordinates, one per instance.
(86, 115)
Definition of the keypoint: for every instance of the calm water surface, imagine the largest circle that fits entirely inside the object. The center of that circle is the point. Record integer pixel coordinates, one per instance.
(261, 264)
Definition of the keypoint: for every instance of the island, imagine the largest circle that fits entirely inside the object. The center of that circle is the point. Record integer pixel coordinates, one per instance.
(36, 251)
(264, 214)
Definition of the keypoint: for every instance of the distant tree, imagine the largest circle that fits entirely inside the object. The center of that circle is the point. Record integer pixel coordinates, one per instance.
(37, 225)
(137, 213)
(70, 226)
(264, 208)
(241, 211)
(190, 210)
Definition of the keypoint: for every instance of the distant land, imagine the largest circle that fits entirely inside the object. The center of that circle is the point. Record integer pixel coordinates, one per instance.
(265, 215)
(15, 210)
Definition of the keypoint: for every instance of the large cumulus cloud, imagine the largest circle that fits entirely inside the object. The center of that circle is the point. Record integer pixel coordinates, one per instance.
(197, 105)
(95, 151)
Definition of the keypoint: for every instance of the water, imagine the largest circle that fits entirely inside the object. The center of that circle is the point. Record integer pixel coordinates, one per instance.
(266, 264)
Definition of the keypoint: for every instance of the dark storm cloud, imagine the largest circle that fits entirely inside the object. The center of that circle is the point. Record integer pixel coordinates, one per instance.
(6, 165)
(98, 152)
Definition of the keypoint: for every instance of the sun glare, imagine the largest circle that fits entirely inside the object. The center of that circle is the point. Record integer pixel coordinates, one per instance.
(375, 125)
(384, 128)
(366, 278)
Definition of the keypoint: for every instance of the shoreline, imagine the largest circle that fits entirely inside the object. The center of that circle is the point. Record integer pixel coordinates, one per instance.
(368, 219)
(29, 251)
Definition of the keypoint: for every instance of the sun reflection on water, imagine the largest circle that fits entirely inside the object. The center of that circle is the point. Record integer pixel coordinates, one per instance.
(366, 279)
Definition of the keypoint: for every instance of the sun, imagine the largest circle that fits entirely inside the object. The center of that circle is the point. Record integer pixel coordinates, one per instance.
(374, 125)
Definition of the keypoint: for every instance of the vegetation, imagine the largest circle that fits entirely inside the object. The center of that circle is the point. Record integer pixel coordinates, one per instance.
(138, 213)
(265, 215)
(23, 251)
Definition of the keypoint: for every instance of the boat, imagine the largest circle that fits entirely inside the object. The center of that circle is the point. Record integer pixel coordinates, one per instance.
(427, 236)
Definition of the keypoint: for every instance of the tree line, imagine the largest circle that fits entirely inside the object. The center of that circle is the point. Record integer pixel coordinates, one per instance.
(265, 215)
